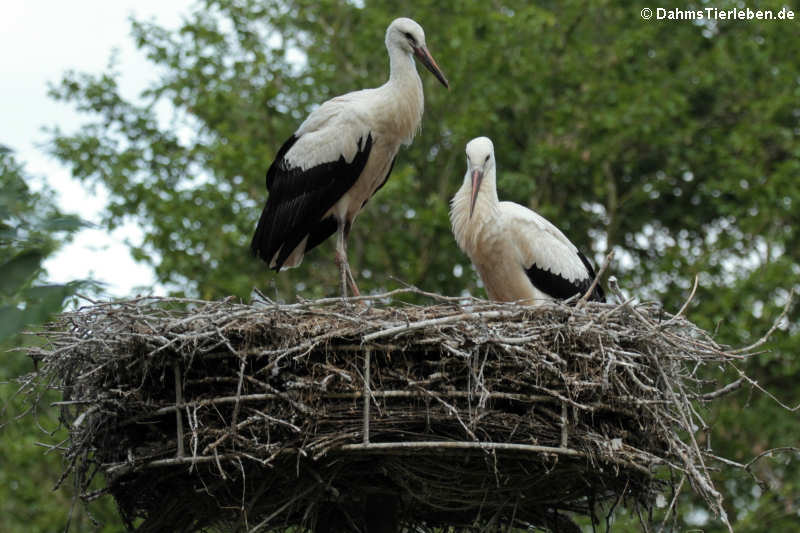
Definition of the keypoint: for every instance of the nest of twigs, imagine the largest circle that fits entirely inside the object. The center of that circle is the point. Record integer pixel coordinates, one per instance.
(466, 413)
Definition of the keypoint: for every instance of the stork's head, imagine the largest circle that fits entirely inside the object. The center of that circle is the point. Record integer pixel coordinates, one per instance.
(480, 161)
(408, 36)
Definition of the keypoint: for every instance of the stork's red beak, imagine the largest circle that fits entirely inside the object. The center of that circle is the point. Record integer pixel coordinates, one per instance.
(427, 59)
(477, 178)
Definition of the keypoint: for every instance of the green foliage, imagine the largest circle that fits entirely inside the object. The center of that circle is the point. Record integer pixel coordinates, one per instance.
(29, 225)
(673, 143)
(31, 228)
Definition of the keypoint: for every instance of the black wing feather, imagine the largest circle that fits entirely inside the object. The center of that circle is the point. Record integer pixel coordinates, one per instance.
(560, 287)
(278, 162)
(299, 198)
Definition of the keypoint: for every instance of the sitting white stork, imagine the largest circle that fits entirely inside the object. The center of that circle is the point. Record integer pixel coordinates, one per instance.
(340, 156)
(519, 254)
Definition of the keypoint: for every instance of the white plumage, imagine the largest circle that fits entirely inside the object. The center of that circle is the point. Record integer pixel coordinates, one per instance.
(519, 254)
(340, 156)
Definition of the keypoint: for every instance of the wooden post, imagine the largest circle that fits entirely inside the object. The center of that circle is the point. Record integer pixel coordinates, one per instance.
(178, 406)
(367, 395)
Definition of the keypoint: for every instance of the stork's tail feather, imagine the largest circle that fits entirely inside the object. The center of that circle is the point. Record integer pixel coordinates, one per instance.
(264, 244)
(280, 247)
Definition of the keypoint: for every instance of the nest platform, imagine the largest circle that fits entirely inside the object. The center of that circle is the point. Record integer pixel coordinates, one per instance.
(199, 415)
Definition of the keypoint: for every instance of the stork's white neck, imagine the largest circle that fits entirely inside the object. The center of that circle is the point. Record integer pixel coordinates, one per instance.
(466, 229)
(404, 108)
(402, 69)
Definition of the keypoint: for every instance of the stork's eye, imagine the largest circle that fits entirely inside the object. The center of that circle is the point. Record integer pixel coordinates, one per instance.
(487, 158)
(410, 38)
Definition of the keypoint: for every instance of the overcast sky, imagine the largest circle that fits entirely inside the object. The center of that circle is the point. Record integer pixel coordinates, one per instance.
(40, 40)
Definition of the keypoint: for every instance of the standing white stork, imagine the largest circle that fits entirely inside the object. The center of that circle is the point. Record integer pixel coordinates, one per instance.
(519, 254)
(340, 156)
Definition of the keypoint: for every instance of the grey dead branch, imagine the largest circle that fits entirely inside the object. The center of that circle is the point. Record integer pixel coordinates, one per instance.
(200, 415)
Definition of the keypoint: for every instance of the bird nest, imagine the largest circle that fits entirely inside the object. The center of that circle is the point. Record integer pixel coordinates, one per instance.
(267, 417)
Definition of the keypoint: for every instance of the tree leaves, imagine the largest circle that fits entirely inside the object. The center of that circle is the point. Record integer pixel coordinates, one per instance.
(25, 304)
(17, 272)
(29, 228)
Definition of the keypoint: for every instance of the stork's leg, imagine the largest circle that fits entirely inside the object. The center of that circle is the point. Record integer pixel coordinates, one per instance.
(352, 282)
(346, 276)
(350, 278)
(341, 259)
